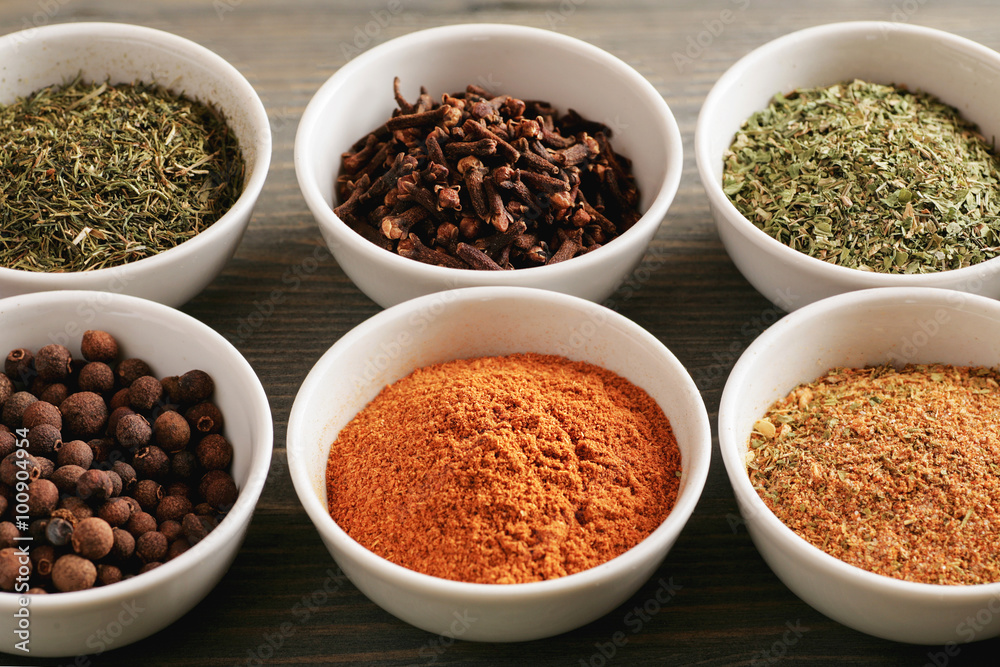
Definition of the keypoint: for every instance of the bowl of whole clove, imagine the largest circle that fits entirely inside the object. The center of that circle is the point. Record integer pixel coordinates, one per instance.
(135, 442)
(132, 161)
(856, 155)
(487, 155)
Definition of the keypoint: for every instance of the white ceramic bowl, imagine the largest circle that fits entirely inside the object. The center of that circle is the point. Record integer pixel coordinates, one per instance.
(120, 53)
(886, 325)
(960, 72)
(527, 63)
(451, 325)
(105, 618)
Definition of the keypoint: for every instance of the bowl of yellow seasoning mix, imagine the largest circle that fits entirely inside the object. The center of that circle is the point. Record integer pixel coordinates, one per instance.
(498, 463)
(856, 155)
(860, 438)
(132, 161)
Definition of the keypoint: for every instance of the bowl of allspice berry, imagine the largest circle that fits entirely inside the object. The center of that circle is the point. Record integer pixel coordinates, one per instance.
(856, 155)
(860, 435)
(487, 154)
(134, 444)
(499, 463)
(132, 160)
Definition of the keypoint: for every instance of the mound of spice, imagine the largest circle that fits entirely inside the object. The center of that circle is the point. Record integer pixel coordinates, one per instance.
(98, 175)
(105, 471)
(486, 182)
(504, 469)
(894, 471)
(870, 177)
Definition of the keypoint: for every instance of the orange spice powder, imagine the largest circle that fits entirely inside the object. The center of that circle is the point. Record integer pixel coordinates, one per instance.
(504, 469)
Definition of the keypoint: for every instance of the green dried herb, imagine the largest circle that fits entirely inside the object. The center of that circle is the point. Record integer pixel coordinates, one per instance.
(97, 175)
(870, 177)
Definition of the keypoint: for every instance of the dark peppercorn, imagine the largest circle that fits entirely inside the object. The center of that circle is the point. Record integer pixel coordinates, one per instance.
(75, 452)
(44, 440)
(96, 376)
(116, 512)
(148, 492)
(14, 407)
(204, 418)
(19, 365)
(144, 392)
(127, 474)
(139, 523)
(130, 370)
(73, 573)
(171, 529)
(94, 484)
(151, 547)
(108, 574)
(218, 489)
(43, 496)
(176, 548)
(184, 464)
(52, 362)
(124, 544)
(133, 431)
(171, 431)
(151, 462)
(66, 476)
(41, 412)
(173, 507)
(99, 346)
(55, 394)
(92, 538)
(84, 413)
(59, 532)
(214, 452)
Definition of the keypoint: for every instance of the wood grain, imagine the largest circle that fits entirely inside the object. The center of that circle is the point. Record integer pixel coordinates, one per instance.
(283, 587)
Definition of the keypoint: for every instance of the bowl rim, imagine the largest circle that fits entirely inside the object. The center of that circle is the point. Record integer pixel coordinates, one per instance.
(731, 443)
(181, 48)
(650, 220)
(242, 511)
(695, 470)
(765, 243)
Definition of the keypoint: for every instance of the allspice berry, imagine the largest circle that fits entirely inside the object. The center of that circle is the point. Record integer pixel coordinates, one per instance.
(130, 370)
(19, 364)
(133, 431)
(144, 393)
(41, 412)
(6, 388)
(116, 512)
(73, 573)
(124, 544)
(75, 452)
(218, 489)
(214, 452)
(173, 508)
(8, 534)
(171, 431)
(108, 574)
(194, 386)
(55, 394)
(66, 476)
(44, 440)
(10, 567)
(171, 529)
(94, 484)
(140, 523)
(204, 417)
(151, 547)
(97, 377)
(184, 464)
(151, 462)
(99, 346)
(77, 506)
(43, 497)
(16, 462)
(127, 474)
(52, 362)
(84, 413)
(14, 407)
(176, 548)
(148, 492)
(92, 538)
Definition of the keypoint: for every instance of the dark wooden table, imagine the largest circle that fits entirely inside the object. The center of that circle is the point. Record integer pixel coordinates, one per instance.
(730, 608)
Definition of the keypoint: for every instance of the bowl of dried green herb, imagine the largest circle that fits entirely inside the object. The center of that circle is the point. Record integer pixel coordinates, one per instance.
(860, 435)
(856, 155)
(131, 162)
(501, 155)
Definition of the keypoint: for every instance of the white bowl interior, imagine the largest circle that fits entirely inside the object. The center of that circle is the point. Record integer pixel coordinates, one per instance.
(958, 71)
(477, 322)
(887, 325)
(171, 342)
(121, 53)
(523, 62)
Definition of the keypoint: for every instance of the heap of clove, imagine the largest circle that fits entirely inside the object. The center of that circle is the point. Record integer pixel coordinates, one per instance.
(486, 182)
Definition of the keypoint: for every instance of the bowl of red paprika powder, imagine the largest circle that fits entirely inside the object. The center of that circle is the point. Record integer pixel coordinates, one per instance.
(869, 486)
(545, 339)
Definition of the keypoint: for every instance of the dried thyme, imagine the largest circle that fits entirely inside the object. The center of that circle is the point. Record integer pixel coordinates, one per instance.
(896, 472)
(94, 175)
(870, 177)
